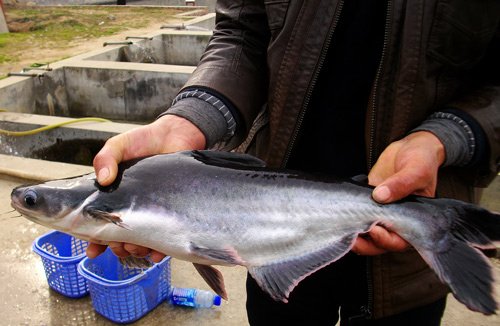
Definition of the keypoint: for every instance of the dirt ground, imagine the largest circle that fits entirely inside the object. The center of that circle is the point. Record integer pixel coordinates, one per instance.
(53, 50)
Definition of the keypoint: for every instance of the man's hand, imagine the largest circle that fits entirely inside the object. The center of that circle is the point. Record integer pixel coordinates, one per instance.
(408, 166)
(168, 134)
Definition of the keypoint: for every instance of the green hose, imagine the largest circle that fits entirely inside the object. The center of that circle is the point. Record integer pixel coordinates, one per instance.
(34, 131)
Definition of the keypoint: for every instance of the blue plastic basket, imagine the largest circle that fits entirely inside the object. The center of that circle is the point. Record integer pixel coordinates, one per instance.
(124, 294)
(61, 253)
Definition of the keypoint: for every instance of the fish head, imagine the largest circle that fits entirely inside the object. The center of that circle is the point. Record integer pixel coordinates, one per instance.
(55, 203)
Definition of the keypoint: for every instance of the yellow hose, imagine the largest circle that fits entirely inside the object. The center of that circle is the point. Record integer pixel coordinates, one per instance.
(34, 131)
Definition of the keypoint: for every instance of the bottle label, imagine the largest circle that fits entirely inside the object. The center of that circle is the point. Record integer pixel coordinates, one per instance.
(184, 297)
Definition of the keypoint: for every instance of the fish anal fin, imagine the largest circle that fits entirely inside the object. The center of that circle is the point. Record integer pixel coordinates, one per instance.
(106, 216)
(226, 255)
(213, 278)
(467, 272)
(278, 279)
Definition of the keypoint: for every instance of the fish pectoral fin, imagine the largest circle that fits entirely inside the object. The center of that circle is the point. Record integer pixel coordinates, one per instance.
(279, 278)
(106, 216)
(135, 262)
(213, 278)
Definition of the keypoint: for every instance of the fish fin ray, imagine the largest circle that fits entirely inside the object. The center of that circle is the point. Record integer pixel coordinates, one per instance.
(213, 278)
(467, 272)
(106, 216)
(135, 262)
(457, 261)
(227, 255)
(278, 279)
(469, 223)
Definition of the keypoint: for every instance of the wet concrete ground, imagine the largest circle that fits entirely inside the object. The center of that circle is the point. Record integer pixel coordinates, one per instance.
(26, 299)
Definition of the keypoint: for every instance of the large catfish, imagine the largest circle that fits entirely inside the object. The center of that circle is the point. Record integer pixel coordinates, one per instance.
(217, 208)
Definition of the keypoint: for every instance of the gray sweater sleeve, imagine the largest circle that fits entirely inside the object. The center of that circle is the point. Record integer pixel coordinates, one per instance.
(218, 125)
(455, 134)
(208, 113)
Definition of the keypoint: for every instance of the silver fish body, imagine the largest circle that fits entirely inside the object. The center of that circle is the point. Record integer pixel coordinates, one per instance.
(216, 208)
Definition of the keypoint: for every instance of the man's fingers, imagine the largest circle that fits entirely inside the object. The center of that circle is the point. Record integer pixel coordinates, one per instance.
(135, 250)
(118, 249)
(123, 250)
(157, 256)
(94, 250)
(365, 247)
(387, 240)
(379, 241)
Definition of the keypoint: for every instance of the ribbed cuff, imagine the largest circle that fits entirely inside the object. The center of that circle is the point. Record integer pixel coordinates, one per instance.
(204, 116)
(209, 113)
(215, 102)
(456, 135)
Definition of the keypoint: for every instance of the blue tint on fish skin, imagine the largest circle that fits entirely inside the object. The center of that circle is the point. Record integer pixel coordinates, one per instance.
(282, 225)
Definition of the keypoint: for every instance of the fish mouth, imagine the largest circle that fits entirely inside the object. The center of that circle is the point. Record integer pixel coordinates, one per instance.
(24, 212)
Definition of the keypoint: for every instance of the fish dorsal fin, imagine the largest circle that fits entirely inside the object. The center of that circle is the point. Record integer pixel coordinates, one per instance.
(278, 279)
(213, 278)
(360, 178)
(227, 159)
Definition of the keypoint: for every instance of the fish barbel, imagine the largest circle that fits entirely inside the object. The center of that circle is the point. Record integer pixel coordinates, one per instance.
(218, 208)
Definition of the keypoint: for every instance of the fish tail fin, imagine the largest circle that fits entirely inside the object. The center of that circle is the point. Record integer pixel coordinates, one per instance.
(458, 262)
(477, 225)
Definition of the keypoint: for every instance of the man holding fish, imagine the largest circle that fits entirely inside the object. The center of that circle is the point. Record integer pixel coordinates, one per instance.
(407, 92)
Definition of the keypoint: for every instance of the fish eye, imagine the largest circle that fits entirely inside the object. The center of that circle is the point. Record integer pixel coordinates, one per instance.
(30, 197)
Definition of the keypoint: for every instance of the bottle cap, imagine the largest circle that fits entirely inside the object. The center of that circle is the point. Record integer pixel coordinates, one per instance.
(217, 300)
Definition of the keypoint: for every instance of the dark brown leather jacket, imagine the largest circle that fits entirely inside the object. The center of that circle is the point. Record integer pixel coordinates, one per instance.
(267, 55)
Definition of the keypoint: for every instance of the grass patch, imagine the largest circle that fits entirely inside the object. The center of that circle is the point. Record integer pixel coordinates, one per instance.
(61, 27)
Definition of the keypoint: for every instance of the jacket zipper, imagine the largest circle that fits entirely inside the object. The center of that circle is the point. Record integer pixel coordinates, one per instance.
(375, 87)
(300, 120)
(368, 309)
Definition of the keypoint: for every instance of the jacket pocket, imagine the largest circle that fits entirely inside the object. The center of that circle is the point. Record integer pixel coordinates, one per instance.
(462, 30)
(276, 13)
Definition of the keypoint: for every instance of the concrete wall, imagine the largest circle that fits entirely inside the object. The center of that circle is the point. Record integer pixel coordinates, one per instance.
(101, 83)
(112, 90)
(119, 94)
(172, 48)
(208, 3)
(93, 2)
(3, 23)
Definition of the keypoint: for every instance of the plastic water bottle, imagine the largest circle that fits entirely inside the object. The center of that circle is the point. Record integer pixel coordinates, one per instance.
(193, 298)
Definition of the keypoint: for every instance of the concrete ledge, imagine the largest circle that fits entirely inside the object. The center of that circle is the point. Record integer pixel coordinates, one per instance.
(39, 170)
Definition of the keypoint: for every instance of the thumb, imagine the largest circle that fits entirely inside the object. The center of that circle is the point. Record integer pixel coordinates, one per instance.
(106, 165)
(400, 185)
